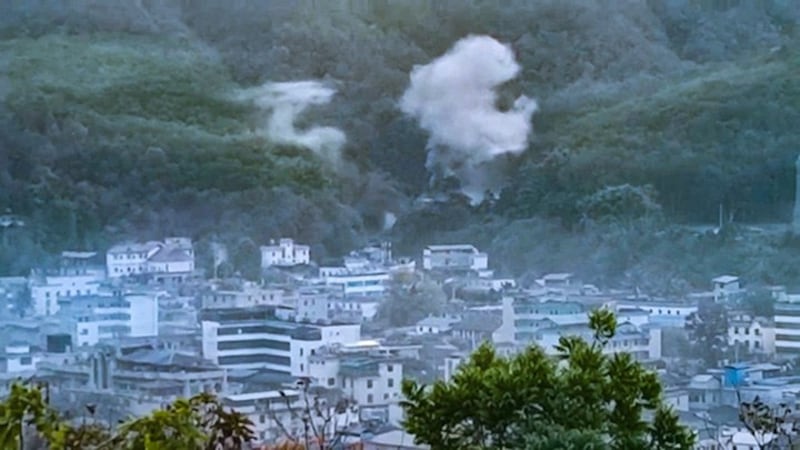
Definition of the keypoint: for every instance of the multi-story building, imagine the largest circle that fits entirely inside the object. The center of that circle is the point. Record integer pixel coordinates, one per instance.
(369, 377)
(458, 257)
(751, 334)
(787, 326)
(308, 304)
(284, 254)
(248, 296)
(369, 281)
(19, 358)
(74, 277)
(254, 339)
(354, 309)
(127, 381)
(111, 315)
(171, 259)
(524, 316)
(727, 288)
(664, 313)
(643, 343)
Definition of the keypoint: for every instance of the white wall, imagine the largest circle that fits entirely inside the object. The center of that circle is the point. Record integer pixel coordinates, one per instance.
(45, 294)
(209, 338)
(144, 314)
(170, 266)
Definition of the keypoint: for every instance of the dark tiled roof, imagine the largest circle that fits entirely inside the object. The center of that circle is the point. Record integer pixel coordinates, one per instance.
(480, 322)
(171, 254)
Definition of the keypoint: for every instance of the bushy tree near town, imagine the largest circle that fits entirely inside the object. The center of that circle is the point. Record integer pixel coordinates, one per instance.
(582, 399)
(198, 423)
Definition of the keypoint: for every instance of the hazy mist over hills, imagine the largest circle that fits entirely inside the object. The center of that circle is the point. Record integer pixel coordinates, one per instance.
(243, 121)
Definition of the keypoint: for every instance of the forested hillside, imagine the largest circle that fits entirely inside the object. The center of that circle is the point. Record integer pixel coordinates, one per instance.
(121, 119)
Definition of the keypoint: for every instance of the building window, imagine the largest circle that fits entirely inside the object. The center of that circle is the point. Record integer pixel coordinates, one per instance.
(757, 332)
(262, 418)
(331, 381)
(369, 384)
(386, 396)
(369, 398)
(747, 331)
(390, 382)
(301, 351)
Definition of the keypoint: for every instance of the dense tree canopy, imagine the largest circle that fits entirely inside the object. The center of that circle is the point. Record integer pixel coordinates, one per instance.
(118, 121)
(582, 399)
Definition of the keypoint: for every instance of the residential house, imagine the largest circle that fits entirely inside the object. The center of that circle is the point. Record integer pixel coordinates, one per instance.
(459, 257)
(74, 277)
(353, 309)
(111, 315)
(19, 358)
(751, 334)
(727, 288)
(366, 376)
(662, 313)
(169, 261)
(436, 324)
(247, 295)
(286, 253)
(476, 327)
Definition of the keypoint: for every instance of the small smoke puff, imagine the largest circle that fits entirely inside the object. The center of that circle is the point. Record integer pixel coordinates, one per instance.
(285, 102)
(453, 98)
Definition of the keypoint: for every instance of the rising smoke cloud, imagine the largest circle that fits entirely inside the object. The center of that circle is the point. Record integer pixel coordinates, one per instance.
(453, 98)
(284, 102)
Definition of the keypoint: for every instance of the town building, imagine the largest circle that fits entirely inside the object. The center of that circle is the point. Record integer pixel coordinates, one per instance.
(436, 324)
(248, 295)
(727, 288)
(366, 374)
(787, 326)
(19, 358)
(663, 313)
(476, 327)
(459, 257)
(254, 339)
(74, 277)
(170, 260)
(286, 253)
(111, 315)
(751, 334)
(354, 309)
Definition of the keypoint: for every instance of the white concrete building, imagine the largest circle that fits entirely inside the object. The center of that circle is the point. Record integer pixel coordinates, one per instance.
(458, 257)
(284, 254)
(751, 334)
(357, 283)
(174, 257)
(19, 358)
(371, 379)
(111, 316)
(249, 296)
(435, 324)
(356, 309)
(246, 339)
(48, 290)
(667, 314)
(726, 287)
(787, 326)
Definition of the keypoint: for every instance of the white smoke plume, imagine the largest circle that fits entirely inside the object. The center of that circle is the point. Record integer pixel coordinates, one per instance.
(284, 103)
(453, 98)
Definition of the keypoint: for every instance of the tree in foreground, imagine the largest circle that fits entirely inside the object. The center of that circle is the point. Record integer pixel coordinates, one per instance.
(200, 422)
(583, 399)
